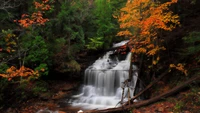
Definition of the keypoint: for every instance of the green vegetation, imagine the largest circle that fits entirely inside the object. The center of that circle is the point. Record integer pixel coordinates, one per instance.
(42, 38)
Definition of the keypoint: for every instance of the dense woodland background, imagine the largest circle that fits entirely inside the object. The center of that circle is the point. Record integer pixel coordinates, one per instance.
(50, 40)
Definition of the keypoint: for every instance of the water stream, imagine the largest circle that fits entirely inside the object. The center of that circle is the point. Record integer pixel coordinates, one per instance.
(103, 82)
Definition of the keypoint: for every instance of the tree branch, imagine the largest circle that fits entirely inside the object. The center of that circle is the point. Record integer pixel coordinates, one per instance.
(154, 99)
(150, 85)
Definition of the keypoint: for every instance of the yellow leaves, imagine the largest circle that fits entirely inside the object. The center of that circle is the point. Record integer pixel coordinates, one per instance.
(124, 33)
(8, 50)
(154, 62)
(42, 69)
(36, 73)
(142, 50)
(138, 51)
(9, 39)
(141, 20)
(158, 58)
(13, 72)
(115, 16)
(179, 67)
(155, 50)
(146, 17)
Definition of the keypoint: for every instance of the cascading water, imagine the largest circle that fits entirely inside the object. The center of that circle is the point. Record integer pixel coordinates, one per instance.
(104, 81)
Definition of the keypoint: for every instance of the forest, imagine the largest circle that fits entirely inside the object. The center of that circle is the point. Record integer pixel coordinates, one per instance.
(46, 46)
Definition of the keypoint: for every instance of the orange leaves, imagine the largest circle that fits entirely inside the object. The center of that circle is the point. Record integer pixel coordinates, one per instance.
(155, 61)
(125, 33)
(153, 51)
(42, 6)
(140, 50)
(150, 46)
(179, 67)
(141, 20)
(13, 72)
(147, 15)
(37, 17)
(42, 70)
(9, 40)
(25, 22)
(174, 1)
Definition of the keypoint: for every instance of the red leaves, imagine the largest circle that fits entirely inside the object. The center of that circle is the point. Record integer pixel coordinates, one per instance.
(122, 49)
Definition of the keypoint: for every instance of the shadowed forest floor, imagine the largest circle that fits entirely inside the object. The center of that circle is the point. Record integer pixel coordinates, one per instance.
(187, 101)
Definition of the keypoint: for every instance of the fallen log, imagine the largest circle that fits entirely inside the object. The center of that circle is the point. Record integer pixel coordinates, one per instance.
(150, 85)
(153, 99)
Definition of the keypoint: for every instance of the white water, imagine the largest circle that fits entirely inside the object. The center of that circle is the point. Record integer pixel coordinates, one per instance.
(103, 83)
(120, 43)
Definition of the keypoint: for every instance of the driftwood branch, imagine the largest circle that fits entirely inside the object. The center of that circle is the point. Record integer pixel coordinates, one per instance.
(153, 99)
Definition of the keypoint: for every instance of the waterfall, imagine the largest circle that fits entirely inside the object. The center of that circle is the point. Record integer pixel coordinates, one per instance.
(103, 82)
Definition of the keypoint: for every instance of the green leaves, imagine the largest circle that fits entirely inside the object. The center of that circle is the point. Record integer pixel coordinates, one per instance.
(3, 68)
(95, 43)
(103, 13)
(38, 51)
(42, 69)
(193, 42)
(191, 50)
(70, 25)
(102, 27)
(73, 66)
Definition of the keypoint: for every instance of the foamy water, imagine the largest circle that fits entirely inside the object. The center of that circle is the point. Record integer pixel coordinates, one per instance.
(103, 83)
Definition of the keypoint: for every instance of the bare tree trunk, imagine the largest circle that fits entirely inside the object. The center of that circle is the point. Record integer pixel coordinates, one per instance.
(130, 69)
(152, 100)
(150, 85)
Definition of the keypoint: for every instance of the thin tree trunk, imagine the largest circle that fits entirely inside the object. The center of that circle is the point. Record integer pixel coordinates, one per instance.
(152, 100)
(150, 85)
(68, 49)
(130, 69)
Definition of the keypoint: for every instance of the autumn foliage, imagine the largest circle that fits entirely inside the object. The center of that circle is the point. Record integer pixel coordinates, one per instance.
(10, 40)
(179, 67)
(36, 18)
(142, 20)
(23, 71)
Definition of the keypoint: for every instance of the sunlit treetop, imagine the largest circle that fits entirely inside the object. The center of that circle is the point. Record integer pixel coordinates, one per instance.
(140, 20)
